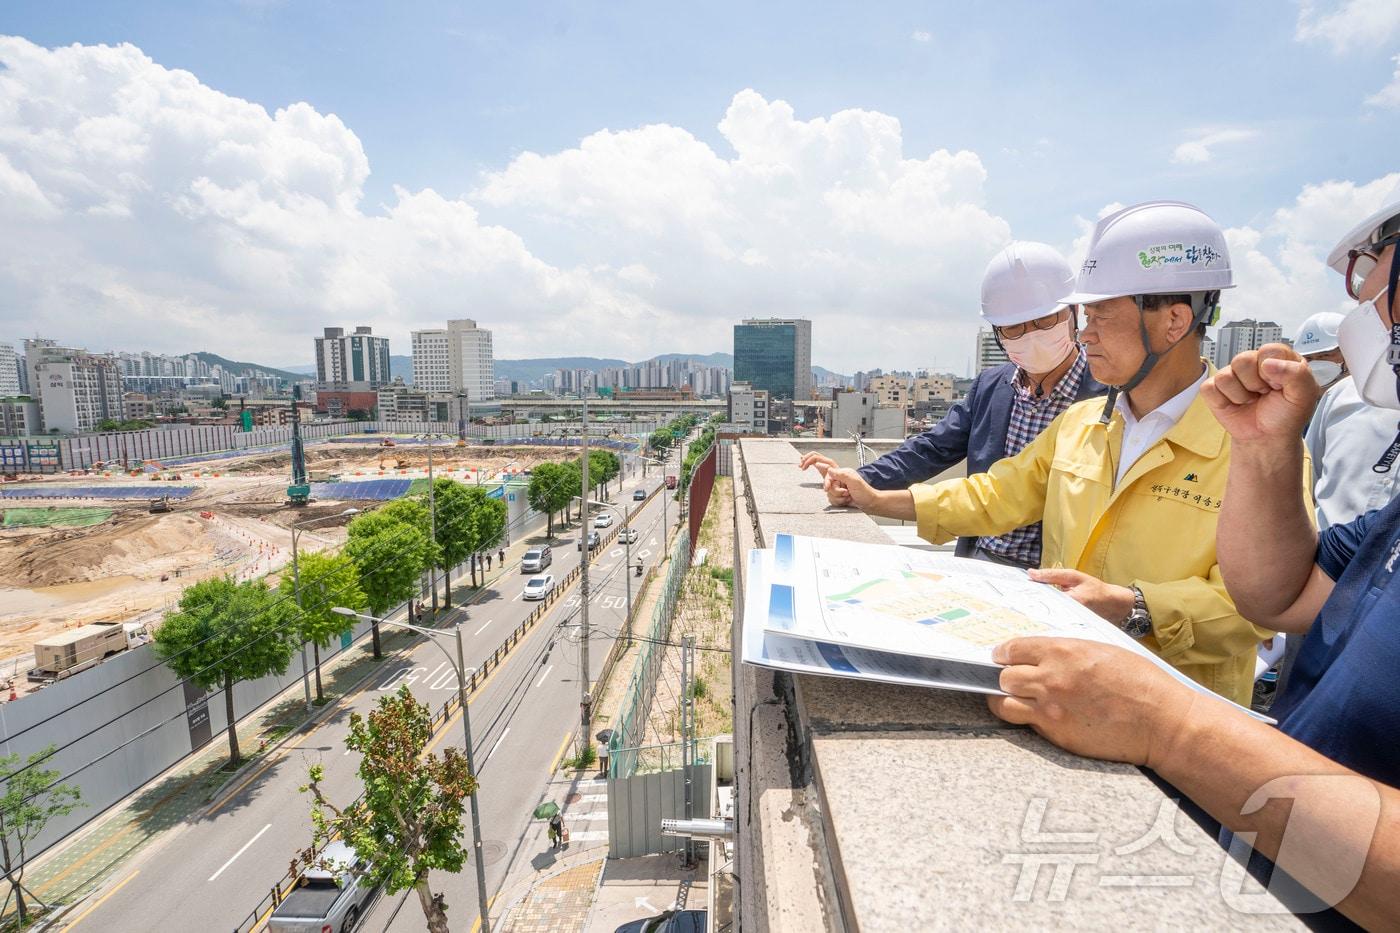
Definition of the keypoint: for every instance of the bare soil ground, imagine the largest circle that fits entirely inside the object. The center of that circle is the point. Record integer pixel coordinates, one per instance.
(133, 566)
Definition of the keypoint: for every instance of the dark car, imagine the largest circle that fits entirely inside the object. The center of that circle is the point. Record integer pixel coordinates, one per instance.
(672, 921)
(639, 495)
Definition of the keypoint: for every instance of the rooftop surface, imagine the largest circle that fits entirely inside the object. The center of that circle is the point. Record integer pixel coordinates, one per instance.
(871, 807)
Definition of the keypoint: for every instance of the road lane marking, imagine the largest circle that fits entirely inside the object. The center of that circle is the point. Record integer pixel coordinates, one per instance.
(483, 628)
(476, 927)
(591, 835)
(593, 798)
(103, 899)
(496, 746)
(240, 851)
(543, 676)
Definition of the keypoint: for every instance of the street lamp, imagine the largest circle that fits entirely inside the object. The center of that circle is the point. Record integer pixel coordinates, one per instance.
(432, 519)
(461, 668)
(627, 559)
(296, 592)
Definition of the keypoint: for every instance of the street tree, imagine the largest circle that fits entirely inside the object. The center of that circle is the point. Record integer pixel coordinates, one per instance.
(327, 580)
(660, 440)
(391, 547)
(607, 466)
(455, 529)
(33, 796)
(550, 490)
(488, 522)
(225, 632)
(408, 822)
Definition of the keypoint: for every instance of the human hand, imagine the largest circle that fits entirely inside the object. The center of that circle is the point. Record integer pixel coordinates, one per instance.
(1103, 599)
(1263, 395)
(821, 461)
(1092, 699)
(846, 487)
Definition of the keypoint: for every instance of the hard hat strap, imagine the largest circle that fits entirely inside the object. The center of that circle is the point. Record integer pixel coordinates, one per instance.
(1205, 307)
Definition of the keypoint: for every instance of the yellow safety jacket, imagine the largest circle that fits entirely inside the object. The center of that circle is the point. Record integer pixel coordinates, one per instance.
(1154, 530)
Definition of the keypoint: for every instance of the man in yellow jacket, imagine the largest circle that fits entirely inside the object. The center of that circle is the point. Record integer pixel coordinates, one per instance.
(1129, 491)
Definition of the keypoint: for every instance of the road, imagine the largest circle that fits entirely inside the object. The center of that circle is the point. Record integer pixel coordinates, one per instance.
(211, 872)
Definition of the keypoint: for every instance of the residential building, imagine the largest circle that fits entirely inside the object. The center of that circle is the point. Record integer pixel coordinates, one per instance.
(748, 408)
(929, 388)
(352, 362)
(989, 352)
(76, 390)
(1208, 348)
(892, 390)
(454, 360)
(9, 371)
(399, 402)
(358, 404)
(19, 417)
(775, 355)
(862, 415)
(1239, 336)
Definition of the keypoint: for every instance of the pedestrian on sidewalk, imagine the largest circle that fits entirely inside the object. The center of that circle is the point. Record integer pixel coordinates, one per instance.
(501, 556)
(556, 830)
(488, 561)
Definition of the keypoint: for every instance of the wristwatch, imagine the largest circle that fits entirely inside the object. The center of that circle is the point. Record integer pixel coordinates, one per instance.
(1139, 621)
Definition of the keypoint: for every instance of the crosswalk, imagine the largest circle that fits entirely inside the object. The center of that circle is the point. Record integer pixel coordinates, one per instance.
(586, 812)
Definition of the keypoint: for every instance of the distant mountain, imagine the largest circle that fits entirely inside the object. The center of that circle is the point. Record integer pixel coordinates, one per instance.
(820, 374)
(709, 359)
(238, 368)
(401, 366)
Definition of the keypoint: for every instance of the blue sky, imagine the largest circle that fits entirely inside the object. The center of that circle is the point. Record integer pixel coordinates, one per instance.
(1068, 107)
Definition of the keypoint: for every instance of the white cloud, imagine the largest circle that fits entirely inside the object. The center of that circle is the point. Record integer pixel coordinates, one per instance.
(1348, 25)
(1280, 269)
(1388, 96)
(1200, 148)
(824, 218)
(921, 35)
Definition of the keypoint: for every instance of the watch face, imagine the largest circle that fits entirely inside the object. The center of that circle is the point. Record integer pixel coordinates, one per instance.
(1138, 624)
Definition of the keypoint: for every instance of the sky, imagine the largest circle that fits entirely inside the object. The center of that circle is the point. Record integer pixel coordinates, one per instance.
(627, 179)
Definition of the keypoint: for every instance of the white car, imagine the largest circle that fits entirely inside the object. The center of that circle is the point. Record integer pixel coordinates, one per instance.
(603, 520)
(627, 535)
(539, 587)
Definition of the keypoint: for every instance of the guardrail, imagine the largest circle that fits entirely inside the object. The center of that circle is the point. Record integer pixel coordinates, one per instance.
(278, 892)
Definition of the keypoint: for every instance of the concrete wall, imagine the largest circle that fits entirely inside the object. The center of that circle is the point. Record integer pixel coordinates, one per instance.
(120, 724)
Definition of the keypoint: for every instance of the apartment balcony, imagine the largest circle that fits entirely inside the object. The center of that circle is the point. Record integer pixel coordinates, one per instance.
(878, 808)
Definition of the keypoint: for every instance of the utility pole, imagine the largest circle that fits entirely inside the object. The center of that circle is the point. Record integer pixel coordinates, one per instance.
(585, 701)
(432, 522)
(687, 736)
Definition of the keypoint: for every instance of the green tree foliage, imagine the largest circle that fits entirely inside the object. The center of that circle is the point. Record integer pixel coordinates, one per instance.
(409, 820)
(552, 486)
(327, 580)
(660, 440)
(456, 532)
(391, 547)
(32, 797)
(488, 521)
(225, 632)
(607, 464)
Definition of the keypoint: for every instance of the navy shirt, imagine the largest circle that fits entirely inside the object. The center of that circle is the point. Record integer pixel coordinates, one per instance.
(1343, 697)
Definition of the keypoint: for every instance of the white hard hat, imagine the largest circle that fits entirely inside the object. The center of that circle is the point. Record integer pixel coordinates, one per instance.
(1364, 233)
(1318, 333)
(1023, 282)
(1154, 248)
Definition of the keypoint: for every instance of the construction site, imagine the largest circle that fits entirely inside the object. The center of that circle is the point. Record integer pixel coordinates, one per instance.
(107, 546)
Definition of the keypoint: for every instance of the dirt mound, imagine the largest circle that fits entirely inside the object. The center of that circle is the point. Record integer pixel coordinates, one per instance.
(139, 545)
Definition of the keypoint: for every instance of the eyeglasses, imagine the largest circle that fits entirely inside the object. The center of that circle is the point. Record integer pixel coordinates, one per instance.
(1015, 331)
(1362, 261)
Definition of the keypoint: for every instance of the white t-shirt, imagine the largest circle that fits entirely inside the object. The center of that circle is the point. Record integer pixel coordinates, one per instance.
(1140, 435)
(1345, 438)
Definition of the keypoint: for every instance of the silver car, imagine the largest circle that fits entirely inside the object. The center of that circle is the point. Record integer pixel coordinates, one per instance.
(330, 897)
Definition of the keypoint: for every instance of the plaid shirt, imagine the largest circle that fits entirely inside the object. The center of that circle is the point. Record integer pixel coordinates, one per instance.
(1029, 417)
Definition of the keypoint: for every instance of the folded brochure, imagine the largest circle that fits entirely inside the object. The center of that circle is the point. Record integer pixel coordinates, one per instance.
(905, 616)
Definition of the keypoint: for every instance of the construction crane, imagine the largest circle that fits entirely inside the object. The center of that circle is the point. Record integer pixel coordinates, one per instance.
(299, 492)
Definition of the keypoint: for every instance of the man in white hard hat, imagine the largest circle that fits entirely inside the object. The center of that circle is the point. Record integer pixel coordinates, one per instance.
(1129, 491)
(1318, 797)
(1345, 436)
(1008, 406)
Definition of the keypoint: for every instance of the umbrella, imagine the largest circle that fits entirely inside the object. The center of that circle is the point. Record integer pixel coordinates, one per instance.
(605, 736)
(546, 810)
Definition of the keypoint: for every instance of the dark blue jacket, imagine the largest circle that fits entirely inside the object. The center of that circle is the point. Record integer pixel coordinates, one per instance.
(974, 430)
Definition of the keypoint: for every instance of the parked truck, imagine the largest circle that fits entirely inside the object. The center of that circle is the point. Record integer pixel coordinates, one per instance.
(81, 648)
(330, 897)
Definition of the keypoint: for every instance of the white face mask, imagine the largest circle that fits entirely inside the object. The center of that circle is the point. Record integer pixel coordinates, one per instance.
(1325, 372)
(1040, 351)
(1365, 342)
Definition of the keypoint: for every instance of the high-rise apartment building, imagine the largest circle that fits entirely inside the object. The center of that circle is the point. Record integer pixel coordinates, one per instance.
(76, 390)
(775, 355)
(355, 362)
(9, 371)
(989, 352)
(1249, 334)
(456, 359)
